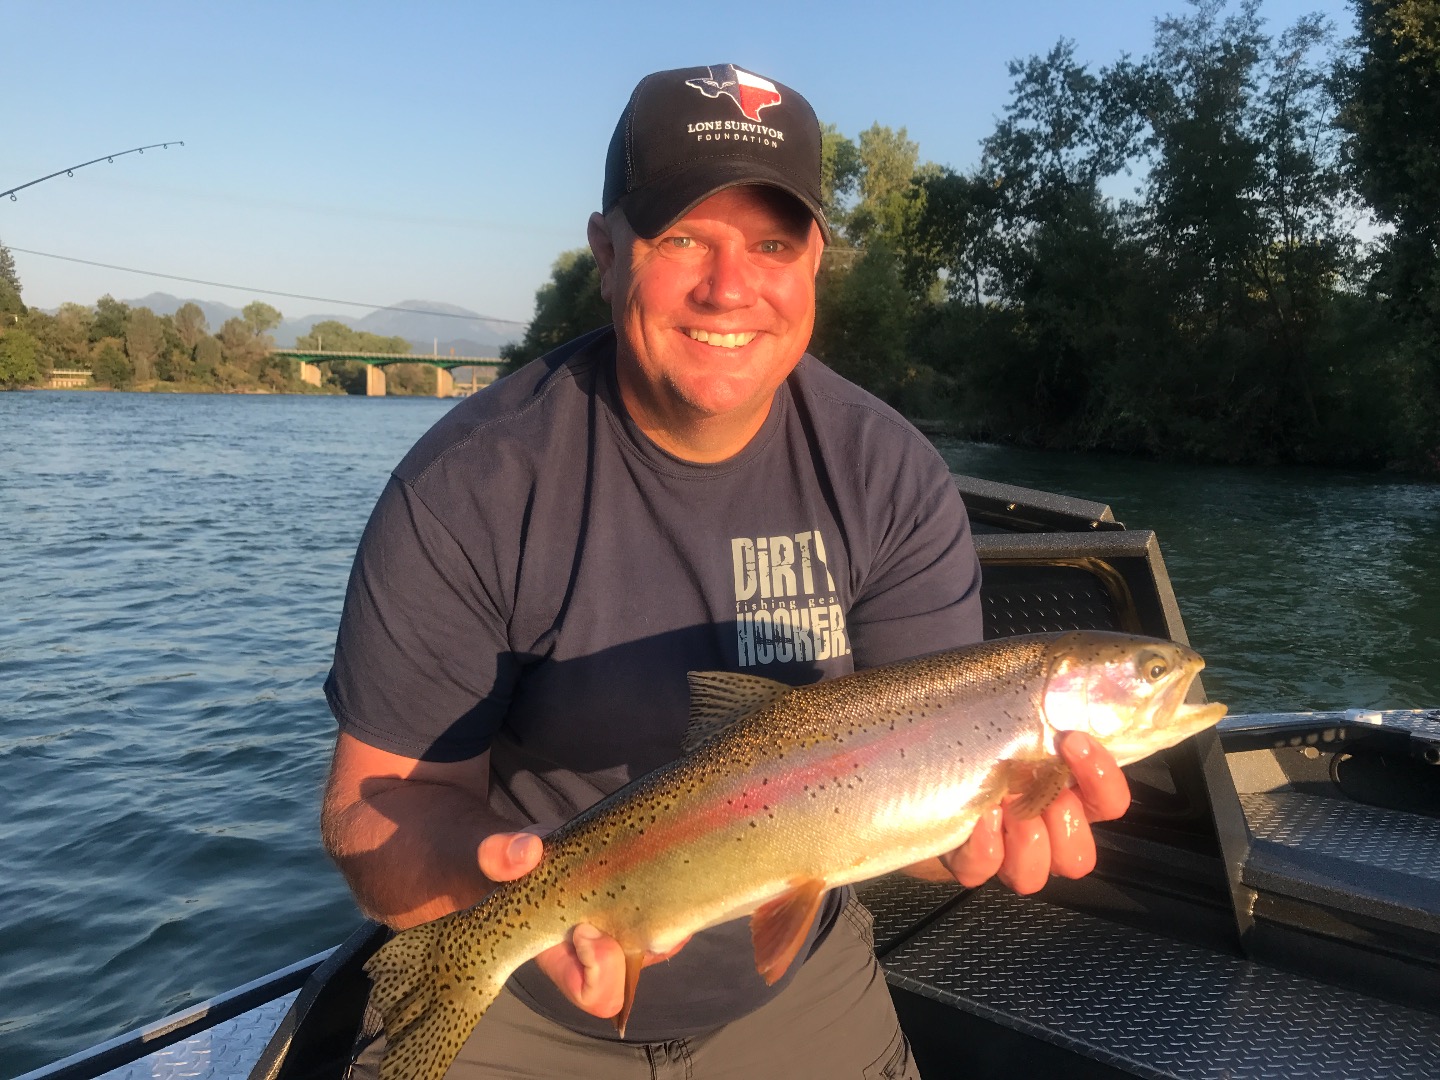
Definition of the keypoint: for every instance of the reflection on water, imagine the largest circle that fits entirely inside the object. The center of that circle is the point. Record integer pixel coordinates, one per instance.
(173, 572)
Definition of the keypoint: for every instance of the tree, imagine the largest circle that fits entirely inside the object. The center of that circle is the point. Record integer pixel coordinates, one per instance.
(70, 345)
(334, 336)
(18, 364)
(261, 318)
(191, 325)
(144, 342)
(110, 365)
(208, 358)
(246, 344)
(10, 302)
(887, 163)
(566, 306)
(861, 322)
(952, 238)
(1392, 118)
(839, 175)
(110, 319)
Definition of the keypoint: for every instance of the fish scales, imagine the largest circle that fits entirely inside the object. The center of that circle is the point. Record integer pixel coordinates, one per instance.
(821, 786)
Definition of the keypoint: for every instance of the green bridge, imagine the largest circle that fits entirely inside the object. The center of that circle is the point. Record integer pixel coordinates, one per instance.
(485, 367)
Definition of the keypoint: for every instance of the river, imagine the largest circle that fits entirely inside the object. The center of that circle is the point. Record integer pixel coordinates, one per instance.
(173, 569)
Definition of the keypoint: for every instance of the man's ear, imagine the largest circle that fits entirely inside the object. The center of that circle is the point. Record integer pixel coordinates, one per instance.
(602, 246)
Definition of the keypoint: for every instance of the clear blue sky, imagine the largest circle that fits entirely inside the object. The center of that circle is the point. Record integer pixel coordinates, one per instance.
(442, 151)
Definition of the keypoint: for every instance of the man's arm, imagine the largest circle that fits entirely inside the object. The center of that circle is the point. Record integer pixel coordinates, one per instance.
(416, 840)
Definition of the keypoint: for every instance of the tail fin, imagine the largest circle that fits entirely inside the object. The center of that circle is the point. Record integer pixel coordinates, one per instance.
(430, 1003)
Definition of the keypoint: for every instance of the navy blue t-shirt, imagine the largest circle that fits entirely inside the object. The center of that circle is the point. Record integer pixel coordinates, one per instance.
(538, 577)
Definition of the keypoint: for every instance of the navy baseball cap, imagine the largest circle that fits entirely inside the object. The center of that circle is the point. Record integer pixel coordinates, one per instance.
(689, 133)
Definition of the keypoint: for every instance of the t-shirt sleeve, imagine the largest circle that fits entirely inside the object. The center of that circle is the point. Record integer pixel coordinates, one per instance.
(422, 664)
(922, 592)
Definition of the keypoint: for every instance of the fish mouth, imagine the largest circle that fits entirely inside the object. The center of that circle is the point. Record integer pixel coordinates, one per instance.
(1194, 717)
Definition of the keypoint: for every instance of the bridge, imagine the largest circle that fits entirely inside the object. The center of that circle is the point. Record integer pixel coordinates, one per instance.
(376, 363)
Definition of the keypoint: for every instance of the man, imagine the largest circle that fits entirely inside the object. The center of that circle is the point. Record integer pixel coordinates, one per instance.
(687, 490)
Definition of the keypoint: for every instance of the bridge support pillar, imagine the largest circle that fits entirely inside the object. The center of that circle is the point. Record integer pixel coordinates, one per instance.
(444, 383)
(309, 373)
(374, 380)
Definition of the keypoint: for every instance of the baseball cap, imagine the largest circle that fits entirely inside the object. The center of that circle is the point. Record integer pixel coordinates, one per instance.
(691, 132)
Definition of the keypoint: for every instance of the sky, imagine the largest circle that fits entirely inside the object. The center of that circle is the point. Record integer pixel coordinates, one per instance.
(384, 152)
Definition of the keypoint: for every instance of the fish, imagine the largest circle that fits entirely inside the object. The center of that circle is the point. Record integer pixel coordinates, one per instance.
(783, 792)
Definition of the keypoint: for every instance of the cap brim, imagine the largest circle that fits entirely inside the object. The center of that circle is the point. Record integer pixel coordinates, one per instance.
(657, 206)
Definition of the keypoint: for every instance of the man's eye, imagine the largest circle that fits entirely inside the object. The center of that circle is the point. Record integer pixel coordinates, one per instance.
(771, 247)
(681, 242)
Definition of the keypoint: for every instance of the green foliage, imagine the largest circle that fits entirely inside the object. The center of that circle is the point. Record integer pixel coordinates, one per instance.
(566, 306)
(111, 366)
(887, 165)
(10, 302)
(144, 342)
(1392, 117)
(260, 318)
(109, 319)
(18, 358)
(190, 325)
(65, 338)
(839, 174)
(862, 320)
(349, 375)
(333, 336)
(209, 356)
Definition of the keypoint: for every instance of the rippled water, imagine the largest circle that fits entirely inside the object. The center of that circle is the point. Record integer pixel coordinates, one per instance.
(172, 573)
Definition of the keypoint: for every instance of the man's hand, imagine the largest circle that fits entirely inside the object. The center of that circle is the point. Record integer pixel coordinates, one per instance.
(1023, 853)
(589, 969)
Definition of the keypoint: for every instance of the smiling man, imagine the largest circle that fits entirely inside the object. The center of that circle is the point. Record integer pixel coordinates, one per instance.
(686, 490)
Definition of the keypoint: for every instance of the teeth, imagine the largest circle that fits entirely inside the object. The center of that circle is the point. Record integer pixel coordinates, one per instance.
(723, 341)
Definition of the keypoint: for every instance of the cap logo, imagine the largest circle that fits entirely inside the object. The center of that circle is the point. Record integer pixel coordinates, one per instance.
(750, 92)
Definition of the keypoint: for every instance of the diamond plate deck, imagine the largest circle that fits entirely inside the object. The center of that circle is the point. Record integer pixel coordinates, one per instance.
(899, 903)
(1153, 1006)
(227, 1051)
(1370, 836)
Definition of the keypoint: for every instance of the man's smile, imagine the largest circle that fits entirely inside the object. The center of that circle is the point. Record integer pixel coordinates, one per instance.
(723, 341)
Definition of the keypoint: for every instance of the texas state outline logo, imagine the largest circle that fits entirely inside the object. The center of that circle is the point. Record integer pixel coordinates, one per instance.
(750, 92)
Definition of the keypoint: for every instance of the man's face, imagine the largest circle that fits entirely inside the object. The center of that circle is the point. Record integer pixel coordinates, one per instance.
(711, 315)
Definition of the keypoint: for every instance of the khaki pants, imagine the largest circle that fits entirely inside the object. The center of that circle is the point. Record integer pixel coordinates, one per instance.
(835, 1020)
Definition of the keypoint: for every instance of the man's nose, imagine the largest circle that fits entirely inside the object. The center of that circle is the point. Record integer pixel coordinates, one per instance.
(729, 281)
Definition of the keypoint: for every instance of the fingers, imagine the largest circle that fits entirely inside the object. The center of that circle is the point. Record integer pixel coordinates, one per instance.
(1103, 788)
(506, 856)
(1025, 866)
(589, 969)
(978, 859)
(1072, 844)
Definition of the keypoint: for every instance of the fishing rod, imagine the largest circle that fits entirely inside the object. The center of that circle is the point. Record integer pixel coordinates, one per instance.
(108, 157)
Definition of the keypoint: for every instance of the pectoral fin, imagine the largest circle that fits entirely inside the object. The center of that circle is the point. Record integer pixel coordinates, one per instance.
(633, 963)
(1037, 783)
(779, 927)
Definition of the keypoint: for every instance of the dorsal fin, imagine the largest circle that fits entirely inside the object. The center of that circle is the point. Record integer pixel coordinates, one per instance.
(719, 698)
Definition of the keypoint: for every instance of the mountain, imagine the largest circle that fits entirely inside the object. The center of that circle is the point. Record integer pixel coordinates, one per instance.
(453, 328)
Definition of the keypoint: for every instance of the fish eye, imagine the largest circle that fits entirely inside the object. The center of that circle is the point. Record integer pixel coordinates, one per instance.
(1153, 667)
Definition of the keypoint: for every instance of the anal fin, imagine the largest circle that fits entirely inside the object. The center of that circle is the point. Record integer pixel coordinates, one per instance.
(634, 961)
(1037, 784)
(778, 928)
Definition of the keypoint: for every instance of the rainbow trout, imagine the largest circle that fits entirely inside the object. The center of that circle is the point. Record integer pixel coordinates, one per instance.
(785, 792)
